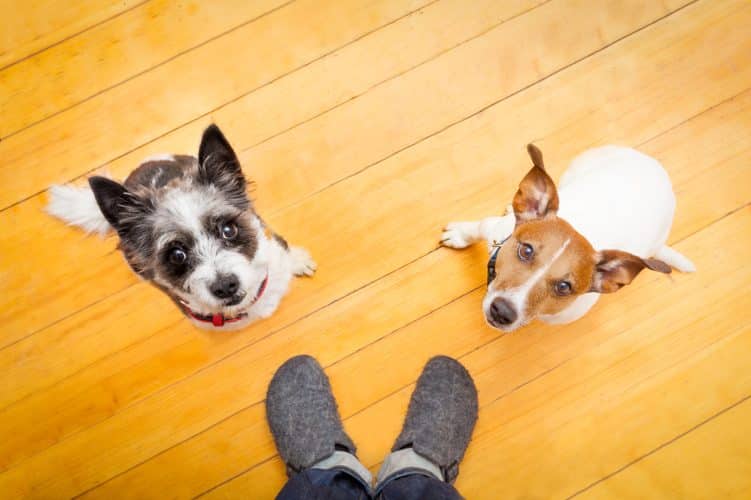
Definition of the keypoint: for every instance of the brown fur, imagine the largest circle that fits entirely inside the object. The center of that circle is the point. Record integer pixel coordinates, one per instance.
(576, 264)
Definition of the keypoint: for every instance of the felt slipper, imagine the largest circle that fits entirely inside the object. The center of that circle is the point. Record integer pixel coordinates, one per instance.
(441, 416)
(302, 414)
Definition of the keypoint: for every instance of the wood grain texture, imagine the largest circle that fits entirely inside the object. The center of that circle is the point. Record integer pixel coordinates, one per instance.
(114, 51)
(366, 128)
(553, 397)
(351, 157)
(188, 87)
(33, 26)
(717, 449)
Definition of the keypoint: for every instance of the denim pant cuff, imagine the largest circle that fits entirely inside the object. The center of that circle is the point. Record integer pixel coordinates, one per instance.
(404, 462)
(348, 462)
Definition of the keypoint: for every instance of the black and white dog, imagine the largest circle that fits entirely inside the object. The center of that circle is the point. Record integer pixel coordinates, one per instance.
(187, 225)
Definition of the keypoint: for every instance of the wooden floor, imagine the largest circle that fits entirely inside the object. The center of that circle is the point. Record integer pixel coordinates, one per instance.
(367, 126)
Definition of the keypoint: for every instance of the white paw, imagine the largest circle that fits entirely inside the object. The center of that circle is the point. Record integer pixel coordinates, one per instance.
(456, 236)
(302, 263)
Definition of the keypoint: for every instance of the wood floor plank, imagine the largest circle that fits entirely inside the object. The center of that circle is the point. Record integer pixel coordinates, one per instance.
(342, 335)
(530, 385)
(39, 362)
(440, 215)
(711, 461)
(425, 100)
(303, 95)
(29, 366)
(340, 339)
(271, 185)
(623, 416)
(82, 146)
(224, 388)
(43, 360)
(265, 480)
(108, 54)
(32, 26)
(522, 359)
(153, 359)
(142, 478)
(187, 87)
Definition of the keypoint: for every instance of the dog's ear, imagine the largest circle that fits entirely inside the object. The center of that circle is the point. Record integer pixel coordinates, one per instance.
(218, 164)
(536, 155)
(537, 196)
(110, 196)
(119, 206)
(615, 269)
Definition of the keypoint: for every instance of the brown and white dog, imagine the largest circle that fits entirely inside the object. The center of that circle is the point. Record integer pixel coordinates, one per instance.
(186, 225)
(560, 248)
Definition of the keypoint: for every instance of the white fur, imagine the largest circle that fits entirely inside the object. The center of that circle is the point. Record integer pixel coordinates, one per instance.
(282, 265)
(302, 263)
(675, 259)
(279, 264)
(185, 209)
(576, 310)
(76, 206)
(492, 229)
(616, 197)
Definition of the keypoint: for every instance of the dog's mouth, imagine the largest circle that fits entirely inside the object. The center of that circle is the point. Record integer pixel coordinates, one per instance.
(500, 326)
(219, 319)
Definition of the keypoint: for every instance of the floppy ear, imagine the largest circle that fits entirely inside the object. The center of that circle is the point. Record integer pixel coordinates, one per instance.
(615, 269)
(537, 196)
(119, 206)
(218, 164)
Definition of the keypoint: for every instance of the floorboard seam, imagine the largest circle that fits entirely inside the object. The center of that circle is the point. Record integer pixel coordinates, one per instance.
(226, 103)
(313, 312)
(151, 68)
(514, 389)
(397, 75)
(65, 39)
(660, 447)
(492, 104)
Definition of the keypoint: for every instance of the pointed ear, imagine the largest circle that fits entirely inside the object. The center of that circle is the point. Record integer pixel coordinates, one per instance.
(215, 148)
(218, 163)
(120, 207)
(615, 269)
(110, 196)
(537, 196)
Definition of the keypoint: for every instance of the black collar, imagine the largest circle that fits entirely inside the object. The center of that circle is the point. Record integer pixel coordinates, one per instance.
(493, 257)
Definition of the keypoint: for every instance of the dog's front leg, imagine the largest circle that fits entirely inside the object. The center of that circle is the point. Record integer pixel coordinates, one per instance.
(490, 229)
(302, 263)
(298, 258)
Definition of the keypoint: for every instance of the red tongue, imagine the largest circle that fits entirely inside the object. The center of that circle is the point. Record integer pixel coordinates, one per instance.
(217, 320)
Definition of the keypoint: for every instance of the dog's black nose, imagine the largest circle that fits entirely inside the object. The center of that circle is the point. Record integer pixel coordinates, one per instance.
(502, 311)
(225, 286)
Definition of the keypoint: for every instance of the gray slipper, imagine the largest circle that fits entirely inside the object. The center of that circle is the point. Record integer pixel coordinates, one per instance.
(302, 415)
(441, 415)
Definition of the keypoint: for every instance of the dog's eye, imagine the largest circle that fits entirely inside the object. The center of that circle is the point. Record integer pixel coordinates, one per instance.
(525, 252)
(562, 288)
(229, 231)
(178, 256)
